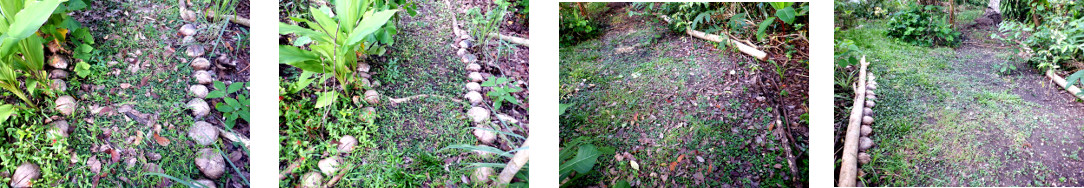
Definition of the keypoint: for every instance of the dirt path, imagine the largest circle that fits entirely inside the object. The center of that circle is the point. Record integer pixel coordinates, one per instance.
(682, 109)
(949, 118)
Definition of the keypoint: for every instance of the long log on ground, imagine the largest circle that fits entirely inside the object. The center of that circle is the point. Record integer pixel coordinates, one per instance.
(514, 40)
(233, 18)
(848, 170)
(1073, 90)
(514, 165)
(744, 48)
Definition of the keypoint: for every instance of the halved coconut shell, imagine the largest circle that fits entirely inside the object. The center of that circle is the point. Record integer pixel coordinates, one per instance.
(210, 162)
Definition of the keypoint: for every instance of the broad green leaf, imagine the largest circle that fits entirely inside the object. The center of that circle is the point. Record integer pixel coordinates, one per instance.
(326, 24)
(82, 69)
(763, 27)
(30, 18)
(234, 87)
(303, 81)
(326, 99)
(300, 31)
(5, 112)
(786, 15)
(368, 25)
(290, 54)
(219, 85)
(302, 41)
(585, 159)
(224, 108)
(780, 5)
(484, 148)
(1075, 78)
(232, 103)
(216, 94)
(74, 5)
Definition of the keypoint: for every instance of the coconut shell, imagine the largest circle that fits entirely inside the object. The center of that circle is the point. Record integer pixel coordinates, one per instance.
(871, 86)
(363, 67)
(863, 158)
(189, 15)
(461, 52)
(201, 64)
(188, 40)
(485, 136)
(66, 105)
(199, 107)
(475, 77)
(56, 61)
(474, 67)
(864, 144)
(372, 97)
(203, 133)
(867, 111)
(188, 30)
(198, 91)
(203, 77)
(58, 74)
(195, 50)
(870, 104)
(871, 97)
(210, 162)
(59, 128)
(59, 85)
(867, 120)
(330, 166)
(474, 97)
(206, 183)
(474, 86)
(866, 130)
(25, 175)
(312, 180)
(347, 144)
(481, 175)
(478, 114)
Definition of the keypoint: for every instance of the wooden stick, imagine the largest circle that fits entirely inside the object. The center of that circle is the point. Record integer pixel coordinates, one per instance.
(1073, 90)
(342, 172)
(848, 171)
(514, 165)
(234, 137)
(514, 40)
(233, 18)
(748, 49)
(407, 99)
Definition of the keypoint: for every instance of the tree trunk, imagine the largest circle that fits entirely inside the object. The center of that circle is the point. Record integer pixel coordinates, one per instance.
(848, 170)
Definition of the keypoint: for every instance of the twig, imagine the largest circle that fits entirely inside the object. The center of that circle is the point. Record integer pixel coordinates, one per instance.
(342, 172)
(514, 165)
(233, 18)
(512, 39)
(406, 99)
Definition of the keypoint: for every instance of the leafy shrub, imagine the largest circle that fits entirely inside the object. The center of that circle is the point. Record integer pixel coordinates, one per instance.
(575, 25)
(919, 26)
(232, 108)
(1018, 10)
(502, 91)
(848, 13)
(730, 17)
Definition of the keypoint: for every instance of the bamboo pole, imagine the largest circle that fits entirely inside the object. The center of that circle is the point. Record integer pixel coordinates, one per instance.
(514, 165)
(1073, 90)
(514, 40)
(849, 168)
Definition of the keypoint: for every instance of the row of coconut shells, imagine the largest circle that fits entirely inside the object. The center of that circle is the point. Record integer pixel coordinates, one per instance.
(209, 160)
(864, 143)
(330, 166)
(479, 115)
(27, 172)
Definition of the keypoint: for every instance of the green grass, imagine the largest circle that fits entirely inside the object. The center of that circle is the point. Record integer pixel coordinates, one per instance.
(936, 127)
(636, 102)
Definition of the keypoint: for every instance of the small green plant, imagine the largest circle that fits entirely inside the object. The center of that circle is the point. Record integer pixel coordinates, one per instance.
(1005, 68)
(219, 8)
(920, 26)
(502, 91)
(232, 108)
(21, 50)
(481, 25)
(1076, 79)
(581, 159)
(356, 28)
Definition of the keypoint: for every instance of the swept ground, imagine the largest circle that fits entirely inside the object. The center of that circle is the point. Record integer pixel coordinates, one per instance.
(661, 96)
(946, 117)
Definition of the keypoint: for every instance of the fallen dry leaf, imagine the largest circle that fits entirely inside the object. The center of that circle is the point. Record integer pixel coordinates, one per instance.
(672, 165)
(681, 157)
(161, 140)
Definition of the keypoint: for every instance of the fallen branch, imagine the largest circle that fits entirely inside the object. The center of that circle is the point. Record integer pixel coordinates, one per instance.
(228, 135)
(342, 172)
(233, 18)
(514, 165)
(406, 99)
(1073, 90)
(848, 170)
(748, 49)
(514, 40)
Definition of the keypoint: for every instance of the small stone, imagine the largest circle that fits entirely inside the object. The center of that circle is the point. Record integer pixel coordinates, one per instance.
(867, 120)
(485, 136)
(464, 44)
(468, 58)
(363, 67)
(867, 111)
(203, 133)
(188, 40)
(59, 85)
(870, 103)
(461, 52)
(372, 97)
(866, 130)
(330, 165)
(206, 183)
(199, 107)
(201, 64)
(864, 143)
(474, 97)
(474, 86)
